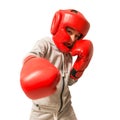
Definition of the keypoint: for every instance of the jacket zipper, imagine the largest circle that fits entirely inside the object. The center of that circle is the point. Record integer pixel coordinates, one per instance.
(61, 95)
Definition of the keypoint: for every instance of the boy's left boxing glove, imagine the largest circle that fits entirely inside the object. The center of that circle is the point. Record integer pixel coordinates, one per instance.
(84, 51)
(38, 77)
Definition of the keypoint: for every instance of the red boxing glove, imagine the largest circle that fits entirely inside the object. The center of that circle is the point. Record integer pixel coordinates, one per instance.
(84, 50)
(38, 77)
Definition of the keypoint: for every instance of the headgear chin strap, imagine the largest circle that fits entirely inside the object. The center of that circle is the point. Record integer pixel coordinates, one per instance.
(67, 18)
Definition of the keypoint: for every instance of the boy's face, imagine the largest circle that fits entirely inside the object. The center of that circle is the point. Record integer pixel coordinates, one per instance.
(74, 35)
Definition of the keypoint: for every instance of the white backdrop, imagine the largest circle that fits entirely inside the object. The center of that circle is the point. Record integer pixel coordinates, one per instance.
(96, 96)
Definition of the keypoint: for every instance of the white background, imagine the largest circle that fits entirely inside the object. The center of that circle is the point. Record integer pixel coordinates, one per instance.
(96, 96)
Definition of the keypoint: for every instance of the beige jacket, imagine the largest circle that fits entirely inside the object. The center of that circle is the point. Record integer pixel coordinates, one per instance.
(56, 102)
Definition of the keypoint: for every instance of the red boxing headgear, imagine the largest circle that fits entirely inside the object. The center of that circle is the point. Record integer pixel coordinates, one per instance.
(67, 18)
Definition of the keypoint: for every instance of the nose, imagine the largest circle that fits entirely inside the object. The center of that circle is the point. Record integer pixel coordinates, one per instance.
(73, 39)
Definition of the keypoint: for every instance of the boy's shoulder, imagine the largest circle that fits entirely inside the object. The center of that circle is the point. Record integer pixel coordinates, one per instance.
(46, 40)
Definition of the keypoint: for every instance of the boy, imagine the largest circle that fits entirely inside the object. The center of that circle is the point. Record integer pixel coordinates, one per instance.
(47, 70)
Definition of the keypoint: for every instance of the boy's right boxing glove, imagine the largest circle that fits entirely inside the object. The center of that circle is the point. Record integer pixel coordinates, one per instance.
(38, 77)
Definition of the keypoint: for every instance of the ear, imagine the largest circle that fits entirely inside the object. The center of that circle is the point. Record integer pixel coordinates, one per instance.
(55, 22)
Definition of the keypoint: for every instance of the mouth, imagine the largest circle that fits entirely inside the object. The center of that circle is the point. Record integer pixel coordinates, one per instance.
(68, 45)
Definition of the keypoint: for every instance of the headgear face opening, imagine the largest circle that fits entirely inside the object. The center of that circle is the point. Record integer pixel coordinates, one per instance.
(67, 18)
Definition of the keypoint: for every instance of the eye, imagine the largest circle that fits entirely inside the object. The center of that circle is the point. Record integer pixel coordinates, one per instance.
(69, 31)
(78, 36)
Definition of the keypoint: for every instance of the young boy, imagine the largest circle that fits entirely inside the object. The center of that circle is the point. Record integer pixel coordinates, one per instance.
(47, 70)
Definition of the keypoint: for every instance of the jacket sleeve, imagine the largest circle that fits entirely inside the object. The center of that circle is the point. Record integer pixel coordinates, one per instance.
(71, 81)
(39, 49)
